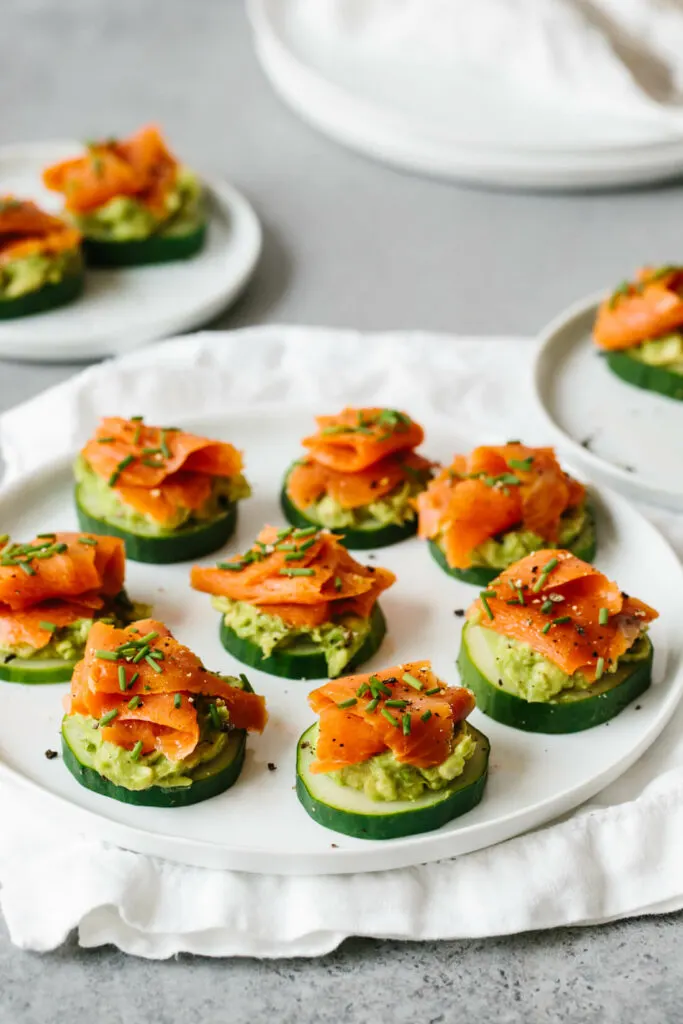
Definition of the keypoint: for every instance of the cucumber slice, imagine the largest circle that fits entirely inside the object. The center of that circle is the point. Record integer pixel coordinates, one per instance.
(36, 670)
(143, 251)
(355, 540)
(41, 300)
(583, 547)
(568, 712)
(182, 546)
(305, 661)
(651, 378)
(346, 810)
(208, 779)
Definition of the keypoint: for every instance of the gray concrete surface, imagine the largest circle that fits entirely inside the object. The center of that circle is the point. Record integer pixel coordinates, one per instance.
(353, 244)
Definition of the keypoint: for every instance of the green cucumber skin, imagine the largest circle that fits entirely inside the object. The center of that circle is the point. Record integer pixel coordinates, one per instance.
(181, 547)
(9, 673)
(302, 666)
(354, 540)
(552, 717)
(42, 300)
(405, 823)
(481, 576)
(650, 378)
(144, 251)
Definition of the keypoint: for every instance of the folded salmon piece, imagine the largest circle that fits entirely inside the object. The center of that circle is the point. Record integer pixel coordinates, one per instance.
(358, 438)
(641, 310)
(26, 230)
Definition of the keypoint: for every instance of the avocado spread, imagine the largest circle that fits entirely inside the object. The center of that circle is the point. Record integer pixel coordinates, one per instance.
(666, 352)
(384, 778)
(101, 501)
(31, 273)
(338, 641)
(519, 670)
(395, 508)
(153, 769)
(126, 219)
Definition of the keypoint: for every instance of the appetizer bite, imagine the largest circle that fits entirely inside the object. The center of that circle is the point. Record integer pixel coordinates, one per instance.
(169, 495)
(132, 201)
(490, 508)
(640, 330)
(297, 604)
(554, 646)
(391, 755)
(51, 592)
(147, 724)
(360, 477)
(41, 266)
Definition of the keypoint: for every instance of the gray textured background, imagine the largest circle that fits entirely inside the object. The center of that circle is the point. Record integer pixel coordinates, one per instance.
(352, 244)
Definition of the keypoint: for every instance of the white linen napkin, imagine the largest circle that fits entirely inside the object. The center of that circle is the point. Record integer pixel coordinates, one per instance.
(615, 857)
(619, 55)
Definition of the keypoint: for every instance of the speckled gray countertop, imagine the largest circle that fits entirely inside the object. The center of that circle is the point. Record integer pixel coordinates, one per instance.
(347, 243)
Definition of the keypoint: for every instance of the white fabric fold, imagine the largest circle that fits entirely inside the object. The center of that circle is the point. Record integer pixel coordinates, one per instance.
(616, 857)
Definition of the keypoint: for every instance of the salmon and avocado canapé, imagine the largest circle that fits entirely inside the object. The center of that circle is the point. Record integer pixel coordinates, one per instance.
(52, 590)
(360, 477)
(554, 646)
(639, 329)
(41, 265)
(133, 202)
(170, 495)
(297, 604)
(391, 754)
(492, 507)
(146, 723)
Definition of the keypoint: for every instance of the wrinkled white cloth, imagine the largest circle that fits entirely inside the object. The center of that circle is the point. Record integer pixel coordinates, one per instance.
(615, 857)
(620, 55)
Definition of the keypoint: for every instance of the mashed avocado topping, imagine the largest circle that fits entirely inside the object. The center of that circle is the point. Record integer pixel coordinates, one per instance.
(31, 273)
(126, 219)
(338, 641)
(383, 777)
(393, 509)
(101, 501)
(666, 352)
(519, 670)
(154, 769)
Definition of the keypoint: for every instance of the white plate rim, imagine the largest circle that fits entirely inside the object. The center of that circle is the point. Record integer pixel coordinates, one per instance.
(437, 845)
(247, 231)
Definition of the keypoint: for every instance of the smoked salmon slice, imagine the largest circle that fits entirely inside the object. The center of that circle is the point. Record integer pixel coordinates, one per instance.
(639, 311)
(491, 491)
(141, 166)
(26, 230)
(143, 683)
(157, 470)
(355, 439)
(565, 610)
(306, 577)
(405, 709)
(311, 480)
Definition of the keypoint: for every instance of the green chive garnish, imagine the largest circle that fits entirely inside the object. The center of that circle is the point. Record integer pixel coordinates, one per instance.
(545, 572)
(523, 464)
(245, 681)
(347, 703)
(599, 668)
(27, 568)
(177, 700)
(488, 593)
(148, 638)
(520, 595)
(285, 547)
(142, 653)
(603, 616)
(133, 679)
(307, 544)
(136, 751)
(546, 628)
(151, 451)
(297, 572)
(135, 702)
(105, 440)
(123, 683)
(284, 532)
(231, 566)
(426, 716)
(107, 655)
(165, 450)
(49, 626)
(547, 607)
(396, 703)
(294, 556)
(372, 705)
(434, 689)
(362, 690)
(389, 717)
(406, 723)
(305, 531)
(412, 681)
(40, 536)
(153, 664)
(486, 605)
(560, 621)
(88, 540)
(215, 717)
(109, 717)
(151, 464)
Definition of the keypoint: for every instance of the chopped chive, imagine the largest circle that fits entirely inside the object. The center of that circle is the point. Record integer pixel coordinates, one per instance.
(157, 655)
(338, 585)
(148, 638)
(177, 700)
(372, 705)
(486, 605)
(307, 544)
(153, 664)
(109, 717)
(133, 679)
(49, 626)
(406, 723)
(599, 668)
(547, 607)
(59, 549)
(107, 655)
(305, 531)
(136, 419)
(231, 566)
(135, 702)
(520, 595)
(88, 540)
(383, 689)
(284, 532)
(347, 703)
(151, 451)
(123, 682)
(150, 464)
(389, 717)
(40, 536)
(136, 751)
(29, 570)
(362, 690)
(243, 678)
(426, 716)
(297, 572)
(105, 440)
(546, 628)
(603, 616)
(142, 653)
(165, 450)
(560, 621)
(545, 572)
(523, 464)
(294, 556)
(488, 593)
(412, 681)
(396, 703)
(285, 547)
(215, 717)
(434, 689)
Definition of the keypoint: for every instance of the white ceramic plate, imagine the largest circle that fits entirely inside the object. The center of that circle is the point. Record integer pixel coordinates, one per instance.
(624, 436)
(259, 825)
(122, 309)
(498, 136)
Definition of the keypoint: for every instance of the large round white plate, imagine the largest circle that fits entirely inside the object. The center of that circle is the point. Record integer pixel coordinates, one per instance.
(624, 436)
(259, 825)
(122, 309)
(458, 123)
